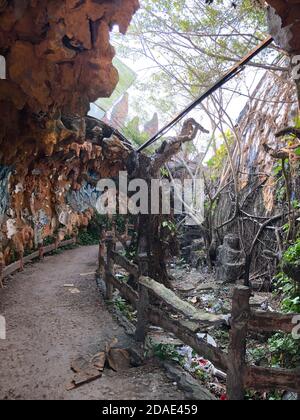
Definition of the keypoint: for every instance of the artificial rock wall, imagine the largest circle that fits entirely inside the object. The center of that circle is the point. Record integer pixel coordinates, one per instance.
(284, 22)
(274, 106)
(58, 60)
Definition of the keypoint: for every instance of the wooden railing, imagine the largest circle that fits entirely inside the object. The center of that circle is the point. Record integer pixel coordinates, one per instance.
(190, 320)
(6, 271)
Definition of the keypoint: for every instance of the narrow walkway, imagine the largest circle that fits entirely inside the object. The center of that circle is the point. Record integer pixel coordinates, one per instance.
(48, 326)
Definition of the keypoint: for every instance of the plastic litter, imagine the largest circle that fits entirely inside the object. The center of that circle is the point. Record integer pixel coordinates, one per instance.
(210, 340)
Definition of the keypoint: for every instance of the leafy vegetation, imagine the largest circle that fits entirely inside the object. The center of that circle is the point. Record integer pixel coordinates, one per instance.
(292, 255)
(121, 305)
(284, 350)
(289, 293)
(98, 224)
(216, 163)
(132, 131)
(287, 288)
(167, 352)
(280, 351)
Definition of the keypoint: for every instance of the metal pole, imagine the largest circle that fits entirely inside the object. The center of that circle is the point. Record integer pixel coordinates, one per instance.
(237, 68)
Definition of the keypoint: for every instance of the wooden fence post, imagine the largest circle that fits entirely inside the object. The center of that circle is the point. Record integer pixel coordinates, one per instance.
(142, 315)
(143, 304)
(101, 259)
(109, 269)
(2, 266)
(238, 343)
(143, 264)
(21, 254)
(41, 251)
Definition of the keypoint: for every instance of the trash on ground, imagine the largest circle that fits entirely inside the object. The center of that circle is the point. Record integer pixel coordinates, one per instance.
(210, 340)
(74, 290)
(193, 299)
(88, 274)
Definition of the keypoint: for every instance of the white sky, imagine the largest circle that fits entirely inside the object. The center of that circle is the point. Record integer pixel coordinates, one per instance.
(251, 76)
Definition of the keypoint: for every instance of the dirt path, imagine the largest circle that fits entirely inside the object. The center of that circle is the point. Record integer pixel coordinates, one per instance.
(47, 327)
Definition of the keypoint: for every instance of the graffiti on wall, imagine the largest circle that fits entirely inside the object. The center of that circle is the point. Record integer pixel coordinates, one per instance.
(84, 198)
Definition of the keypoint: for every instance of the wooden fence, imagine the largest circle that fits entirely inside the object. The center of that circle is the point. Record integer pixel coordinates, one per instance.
(189, 320)
(6, 271)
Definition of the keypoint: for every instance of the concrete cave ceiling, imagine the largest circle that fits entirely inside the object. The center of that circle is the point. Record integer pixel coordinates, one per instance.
(59, 60)
(284, 22)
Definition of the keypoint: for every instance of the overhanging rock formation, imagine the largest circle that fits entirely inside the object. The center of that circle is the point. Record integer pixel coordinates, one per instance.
(58, 60)
(284, 22)
(58, 52)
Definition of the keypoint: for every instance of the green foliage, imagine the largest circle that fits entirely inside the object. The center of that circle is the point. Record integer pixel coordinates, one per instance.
(217, 162)
(170, 225)
(257, 355)
(277, 169)
(127, 310)
(288, 290)
(132, 131)
(91, 234)
(297, 151)
(285, 286)
(292, 255)
(167, 352)
(164, 173)
(281, 184)
(87, 237)
(49, 240)
(281, 350)
(190, 46)
(284, 351)
(99, 223)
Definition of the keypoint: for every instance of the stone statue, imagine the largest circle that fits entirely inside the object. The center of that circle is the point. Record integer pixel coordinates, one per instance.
(230, 260)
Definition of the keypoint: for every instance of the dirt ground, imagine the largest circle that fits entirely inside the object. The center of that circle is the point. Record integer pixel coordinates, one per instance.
(48, 327)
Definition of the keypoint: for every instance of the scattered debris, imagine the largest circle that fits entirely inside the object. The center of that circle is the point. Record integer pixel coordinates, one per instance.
(118, 359)
(74, 290)
(161, 337)
(207, 286)
(193, 300)
(186, 382)
(290, 396)
(85, 372)
(88, 274)
(99, 360)
(258, 301)
(88, 370)
(210, 340)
